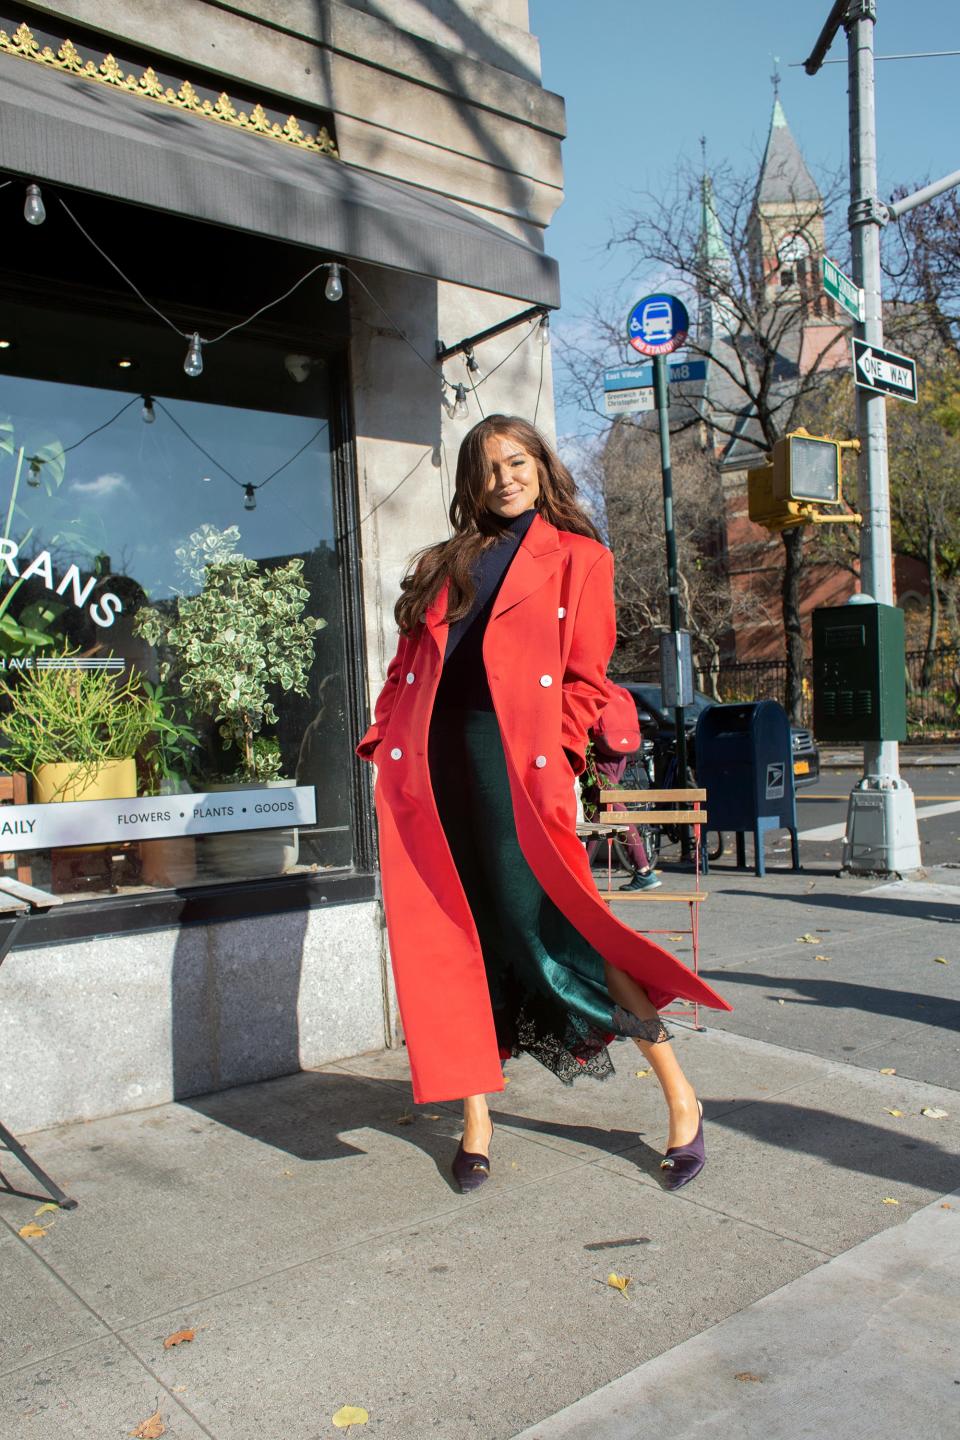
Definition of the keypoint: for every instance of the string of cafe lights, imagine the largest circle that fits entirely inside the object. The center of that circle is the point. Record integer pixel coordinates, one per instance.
(453, 395)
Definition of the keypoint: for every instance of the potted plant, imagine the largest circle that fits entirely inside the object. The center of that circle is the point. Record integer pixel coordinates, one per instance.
(76, 731)
(243, 633)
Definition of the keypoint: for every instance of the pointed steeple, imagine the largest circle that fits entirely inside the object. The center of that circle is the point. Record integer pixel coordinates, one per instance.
(784, 177)
(715, 268)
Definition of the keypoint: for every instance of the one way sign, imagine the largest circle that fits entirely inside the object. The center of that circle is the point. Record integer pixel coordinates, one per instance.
(884, 372)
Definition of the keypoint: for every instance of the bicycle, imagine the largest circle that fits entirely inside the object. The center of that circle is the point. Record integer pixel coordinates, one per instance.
(657, 768)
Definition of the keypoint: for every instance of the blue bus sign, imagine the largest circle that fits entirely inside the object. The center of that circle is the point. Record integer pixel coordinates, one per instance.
(658, 325)
(630, 377)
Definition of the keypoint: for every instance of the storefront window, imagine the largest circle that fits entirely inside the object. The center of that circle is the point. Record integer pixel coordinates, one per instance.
(171, 541)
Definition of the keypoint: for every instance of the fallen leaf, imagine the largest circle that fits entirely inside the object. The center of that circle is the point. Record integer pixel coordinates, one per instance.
(506, 1079)
(42, 1209)
(31, 1231)
(824, 958)
(945, 1206)
(888, 1070)
(151, 1428)
(749, 1375)
(781, 1002)
(939, 960)
(673, 937)
(619, 1282)
(179, 1389)
(808, 939)
(349, 1415)
(433, 1117)
(405, 1119)
(178, 1337)
(889, 1200)
(641, 1073)
(933, 1112)
(897, 1113)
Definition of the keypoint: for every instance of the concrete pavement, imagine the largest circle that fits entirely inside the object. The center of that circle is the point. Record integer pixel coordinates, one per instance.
(306, 1229)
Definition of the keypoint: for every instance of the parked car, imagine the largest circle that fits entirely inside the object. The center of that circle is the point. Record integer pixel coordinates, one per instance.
(659, 725)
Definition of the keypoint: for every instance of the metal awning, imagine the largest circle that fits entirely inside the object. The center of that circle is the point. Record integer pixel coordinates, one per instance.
(69, 131)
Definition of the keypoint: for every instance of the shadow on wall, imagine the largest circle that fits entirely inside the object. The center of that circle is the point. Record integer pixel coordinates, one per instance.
(235, 992)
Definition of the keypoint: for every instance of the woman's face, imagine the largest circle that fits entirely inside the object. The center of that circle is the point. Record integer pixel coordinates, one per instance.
(513, 481)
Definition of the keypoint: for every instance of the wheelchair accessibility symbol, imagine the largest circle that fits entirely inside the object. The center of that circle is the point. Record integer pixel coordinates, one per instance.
(658, 325)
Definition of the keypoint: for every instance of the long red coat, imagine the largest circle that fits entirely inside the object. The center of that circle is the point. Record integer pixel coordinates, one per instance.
(546, 648)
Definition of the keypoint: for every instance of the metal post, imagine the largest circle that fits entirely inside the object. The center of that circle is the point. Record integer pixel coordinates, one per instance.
(900, 846)
(662, 399)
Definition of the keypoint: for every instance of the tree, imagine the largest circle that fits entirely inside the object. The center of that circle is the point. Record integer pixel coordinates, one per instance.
(769, 332)
(922, 263)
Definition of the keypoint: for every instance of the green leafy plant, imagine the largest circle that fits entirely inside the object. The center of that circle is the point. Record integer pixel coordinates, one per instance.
(243, 633)
(78, 717)
(168, 753)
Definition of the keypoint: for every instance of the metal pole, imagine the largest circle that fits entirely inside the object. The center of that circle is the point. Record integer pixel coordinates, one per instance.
(866, 218)
(662, 399)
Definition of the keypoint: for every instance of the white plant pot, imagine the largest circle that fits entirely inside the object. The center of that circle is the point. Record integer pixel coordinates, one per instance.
(249, 854)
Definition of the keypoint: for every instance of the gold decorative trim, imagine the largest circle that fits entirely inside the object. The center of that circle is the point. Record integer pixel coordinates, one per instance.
(149, 86)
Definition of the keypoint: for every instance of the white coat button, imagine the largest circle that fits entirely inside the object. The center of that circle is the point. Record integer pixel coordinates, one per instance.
(396, 753)
(410, 678)
(546, 680)
(560, 613)
(540, 761)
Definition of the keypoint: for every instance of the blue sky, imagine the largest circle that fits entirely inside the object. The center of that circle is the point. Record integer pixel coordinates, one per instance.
(643, 81)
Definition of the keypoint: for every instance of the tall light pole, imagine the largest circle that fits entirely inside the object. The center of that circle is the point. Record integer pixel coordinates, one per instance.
(881, 818)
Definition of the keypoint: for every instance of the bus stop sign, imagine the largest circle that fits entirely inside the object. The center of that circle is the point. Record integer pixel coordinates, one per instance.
(658, 325)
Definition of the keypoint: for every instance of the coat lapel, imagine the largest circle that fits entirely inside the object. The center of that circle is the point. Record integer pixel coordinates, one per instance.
(536, 560)
(433, 619)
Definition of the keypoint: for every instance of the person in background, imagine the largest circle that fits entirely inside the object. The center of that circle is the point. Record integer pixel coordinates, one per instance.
(614, 740)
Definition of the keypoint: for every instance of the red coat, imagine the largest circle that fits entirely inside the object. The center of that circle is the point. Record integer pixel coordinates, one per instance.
(547, 643)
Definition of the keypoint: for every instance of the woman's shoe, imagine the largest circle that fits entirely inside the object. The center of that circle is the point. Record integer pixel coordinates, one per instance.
(643, 880)
(683, 1162)
(470, 1171)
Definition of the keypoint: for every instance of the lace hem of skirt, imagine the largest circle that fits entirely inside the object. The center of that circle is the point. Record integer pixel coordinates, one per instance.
(653, 1030)
(567, 1053)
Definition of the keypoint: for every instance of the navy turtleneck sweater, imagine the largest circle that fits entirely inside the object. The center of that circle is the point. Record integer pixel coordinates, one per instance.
(463, 683)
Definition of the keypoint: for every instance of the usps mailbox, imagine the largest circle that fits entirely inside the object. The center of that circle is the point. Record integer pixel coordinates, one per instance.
(745, 764)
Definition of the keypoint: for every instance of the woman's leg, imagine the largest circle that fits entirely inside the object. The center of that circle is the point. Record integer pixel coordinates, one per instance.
(477, 1126)
(677, 1090)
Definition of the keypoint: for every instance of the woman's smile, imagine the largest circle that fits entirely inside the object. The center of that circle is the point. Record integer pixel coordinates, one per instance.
(513, 483)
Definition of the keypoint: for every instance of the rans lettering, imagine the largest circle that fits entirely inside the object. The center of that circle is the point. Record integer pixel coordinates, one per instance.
(41, 567)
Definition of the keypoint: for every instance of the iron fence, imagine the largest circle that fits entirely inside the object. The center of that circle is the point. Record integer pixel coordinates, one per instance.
(933, 688)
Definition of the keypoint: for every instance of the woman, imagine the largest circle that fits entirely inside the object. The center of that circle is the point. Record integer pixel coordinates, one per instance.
(616, 727)
(498, 937)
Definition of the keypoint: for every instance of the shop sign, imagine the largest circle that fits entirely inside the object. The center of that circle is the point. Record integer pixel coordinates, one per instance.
(98, 822)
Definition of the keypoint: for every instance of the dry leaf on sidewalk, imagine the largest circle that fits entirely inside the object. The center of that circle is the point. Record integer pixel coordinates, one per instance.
(889, 1200)
(940, 960)
(824, 958)
(349, 1415)
(177, 1338)
(641, 1073)
(31, 1231)
(897, 1113)
(151, 1428)
(619, 1282)
(48, 1205)
(749, 1375)
(405, 1119)
(808, 939)
(933, 1112)
(888, 1070)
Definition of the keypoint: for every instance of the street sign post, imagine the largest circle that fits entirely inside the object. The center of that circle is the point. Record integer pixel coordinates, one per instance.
(842, 289)
(658, 325)
(884, 372)
(630, 377)
(627, 402)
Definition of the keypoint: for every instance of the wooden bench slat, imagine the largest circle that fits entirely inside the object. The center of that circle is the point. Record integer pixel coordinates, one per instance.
(682, 797)
(643, 817)
(695, 897)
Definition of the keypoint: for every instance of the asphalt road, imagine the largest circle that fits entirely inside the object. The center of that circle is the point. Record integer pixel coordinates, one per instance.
(824, 806)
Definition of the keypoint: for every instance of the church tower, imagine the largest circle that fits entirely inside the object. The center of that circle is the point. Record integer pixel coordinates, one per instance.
(716, 318)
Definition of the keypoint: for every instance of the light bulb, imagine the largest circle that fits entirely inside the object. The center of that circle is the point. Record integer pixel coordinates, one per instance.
(193, 365)
(249, 497)
(471, 360)
(33, 475)
(334, 286)
(148, 412)
(33, 210)
(460, 408)
(545, 330)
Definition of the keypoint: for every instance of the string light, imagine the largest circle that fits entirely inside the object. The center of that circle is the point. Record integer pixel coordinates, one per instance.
(193, 365)
(148, 412)
(471, 359)
(333, 289)
(34, 211)
(33, 475)
(249, 497)
(460, 408)
(545, 330)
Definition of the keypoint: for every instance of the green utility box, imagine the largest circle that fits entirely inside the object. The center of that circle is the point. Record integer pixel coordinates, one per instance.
(859, 681)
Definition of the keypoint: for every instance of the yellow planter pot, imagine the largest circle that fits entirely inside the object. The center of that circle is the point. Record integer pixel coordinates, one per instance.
(114, 780)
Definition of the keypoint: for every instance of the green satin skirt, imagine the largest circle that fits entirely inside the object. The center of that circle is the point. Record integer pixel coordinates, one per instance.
(547, 983)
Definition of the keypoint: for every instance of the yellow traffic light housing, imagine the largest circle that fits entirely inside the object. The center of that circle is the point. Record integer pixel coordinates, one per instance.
(802, 473)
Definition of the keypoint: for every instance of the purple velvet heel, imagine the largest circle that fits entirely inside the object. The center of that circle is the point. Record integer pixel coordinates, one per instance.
(470, 1171)
(683, 1162)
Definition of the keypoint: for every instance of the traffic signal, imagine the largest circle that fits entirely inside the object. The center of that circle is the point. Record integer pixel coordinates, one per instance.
(802, 473)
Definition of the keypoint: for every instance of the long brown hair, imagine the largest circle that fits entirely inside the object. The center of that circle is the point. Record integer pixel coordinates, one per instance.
(476, 528)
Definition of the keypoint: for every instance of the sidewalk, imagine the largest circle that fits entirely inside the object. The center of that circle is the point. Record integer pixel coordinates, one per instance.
(913, 756)
(307, 1230)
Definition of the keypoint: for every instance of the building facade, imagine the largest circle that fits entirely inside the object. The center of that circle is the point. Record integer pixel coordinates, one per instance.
(237, 238)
